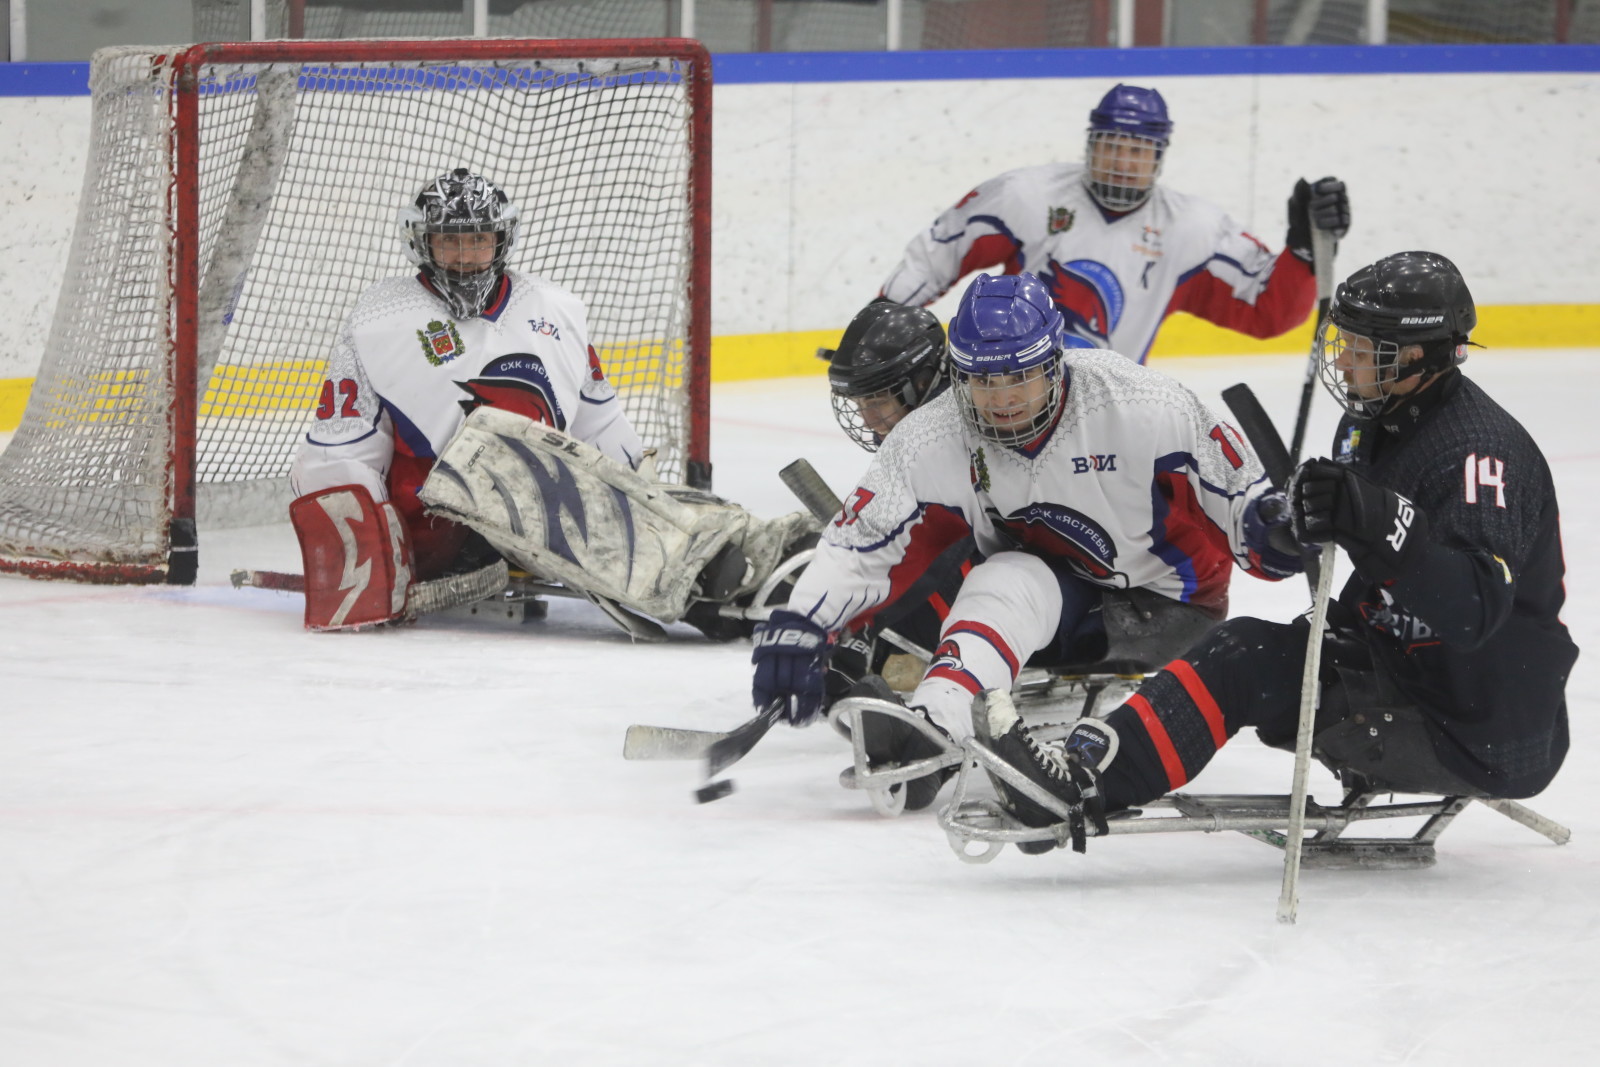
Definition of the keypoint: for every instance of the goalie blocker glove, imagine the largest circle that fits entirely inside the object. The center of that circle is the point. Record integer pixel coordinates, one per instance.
(790, 658)
(1322, 205)
(1381, 529)
(357, 556)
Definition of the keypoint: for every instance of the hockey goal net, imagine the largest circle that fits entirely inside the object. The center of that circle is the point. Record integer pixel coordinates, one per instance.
(239, 197)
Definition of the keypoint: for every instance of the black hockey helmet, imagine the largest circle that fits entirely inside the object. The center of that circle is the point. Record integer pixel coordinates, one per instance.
(890, 361)
(1409, 298)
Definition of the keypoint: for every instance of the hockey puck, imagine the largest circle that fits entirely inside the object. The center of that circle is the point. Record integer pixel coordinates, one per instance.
(713, 791)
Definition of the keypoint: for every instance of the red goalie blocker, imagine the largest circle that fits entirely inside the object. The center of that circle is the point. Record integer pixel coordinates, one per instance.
(357, 556)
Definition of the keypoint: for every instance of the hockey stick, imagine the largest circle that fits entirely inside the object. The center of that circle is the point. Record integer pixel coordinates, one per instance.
(668, 742)
(727, 751)
(1322, 268)
(280, 580)
(806, 484)
(1275, 459)
(1294, 840)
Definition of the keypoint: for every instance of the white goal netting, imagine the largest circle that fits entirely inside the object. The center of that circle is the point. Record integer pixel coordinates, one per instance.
(302, 167)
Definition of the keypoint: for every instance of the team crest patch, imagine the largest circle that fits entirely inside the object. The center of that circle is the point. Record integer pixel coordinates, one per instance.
(440, 342)
(1061, 219)
(979, 470)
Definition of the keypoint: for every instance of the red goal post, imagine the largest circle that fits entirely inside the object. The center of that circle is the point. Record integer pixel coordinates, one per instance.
(239, 197)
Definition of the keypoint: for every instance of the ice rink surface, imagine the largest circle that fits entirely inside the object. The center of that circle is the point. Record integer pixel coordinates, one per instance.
(226, 841)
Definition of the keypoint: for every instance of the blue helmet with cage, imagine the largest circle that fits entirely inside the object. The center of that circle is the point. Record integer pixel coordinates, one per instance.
(1005, 346)
(1128, 135)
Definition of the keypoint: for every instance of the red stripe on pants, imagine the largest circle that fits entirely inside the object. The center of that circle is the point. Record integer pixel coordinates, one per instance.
(1170, 762)
(1181, 670)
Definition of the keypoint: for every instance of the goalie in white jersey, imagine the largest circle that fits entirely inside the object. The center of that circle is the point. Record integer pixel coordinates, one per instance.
(1074, 472)
(466, 420)
(1118, 251)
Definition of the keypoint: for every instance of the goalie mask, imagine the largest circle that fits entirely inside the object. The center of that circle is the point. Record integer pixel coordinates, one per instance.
(459, 231)
(890, 362)
(1006, 358)
(1128, 134)
(1364, 348)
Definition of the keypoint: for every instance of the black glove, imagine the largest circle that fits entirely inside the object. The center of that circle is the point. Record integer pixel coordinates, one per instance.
(790, 657)
(1382, 530)
(1323, 205)
(1267, 533)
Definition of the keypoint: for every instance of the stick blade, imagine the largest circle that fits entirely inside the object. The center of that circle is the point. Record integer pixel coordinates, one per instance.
(741, 739)
(668, 742)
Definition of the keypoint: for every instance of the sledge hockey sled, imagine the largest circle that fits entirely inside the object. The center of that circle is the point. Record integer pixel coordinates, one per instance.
(979, 828)
(1143, 631)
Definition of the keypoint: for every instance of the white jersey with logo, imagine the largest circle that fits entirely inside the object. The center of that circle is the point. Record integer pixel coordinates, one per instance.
(1138, 484)
(404, 367)
(1115, 277)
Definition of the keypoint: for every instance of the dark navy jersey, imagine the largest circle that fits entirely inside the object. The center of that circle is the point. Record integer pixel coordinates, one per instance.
(1471, 631)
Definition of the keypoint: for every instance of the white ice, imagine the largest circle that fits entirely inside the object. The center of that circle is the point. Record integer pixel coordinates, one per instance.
(226, 841)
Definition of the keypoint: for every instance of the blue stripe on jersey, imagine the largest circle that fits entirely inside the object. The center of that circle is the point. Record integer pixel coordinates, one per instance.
(407, 431)
(1174, 557)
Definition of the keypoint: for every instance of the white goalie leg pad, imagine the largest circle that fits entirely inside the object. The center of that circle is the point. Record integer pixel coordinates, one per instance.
(563, 510)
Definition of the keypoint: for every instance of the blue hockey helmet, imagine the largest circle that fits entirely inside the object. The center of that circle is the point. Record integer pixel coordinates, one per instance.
(1005, 345)
(1128, 135)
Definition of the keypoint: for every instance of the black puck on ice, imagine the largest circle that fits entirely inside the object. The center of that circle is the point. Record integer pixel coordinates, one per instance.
(713, 791)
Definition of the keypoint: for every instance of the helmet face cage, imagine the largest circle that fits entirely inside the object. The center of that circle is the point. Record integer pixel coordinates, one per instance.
(460, 203)
(1121, 168)
(1039, 384)
(1374, 367)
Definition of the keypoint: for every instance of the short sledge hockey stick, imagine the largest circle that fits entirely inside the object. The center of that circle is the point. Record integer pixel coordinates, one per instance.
(1275, 459)
(1322, 268)
(1294, 841)
(806, 484)
(280, 580)
(729, 750)
(668, 742)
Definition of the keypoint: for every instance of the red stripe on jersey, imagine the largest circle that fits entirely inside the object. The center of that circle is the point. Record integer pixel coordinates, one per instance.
(1170, 762)
(1285, 302)
(940, 608)
(991, 250)
(961, 678)
(1186, 531)
(978, 629)
(1181, 670)
(938, 528)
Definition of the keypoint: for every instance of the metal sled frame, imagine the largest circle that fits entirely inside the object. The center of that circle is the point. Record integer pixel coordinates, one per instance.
(1034, 685)
(969, 821)
(884, 785)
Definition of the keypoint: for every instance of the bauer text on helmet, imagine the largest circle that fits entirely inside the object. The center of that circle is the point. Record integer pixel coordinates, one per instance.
(1391, 328)
(1005, 358)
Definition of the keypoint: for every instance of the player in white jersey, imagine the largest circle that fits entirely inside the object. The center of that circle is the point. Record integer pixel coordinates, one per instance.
(1073, 471)
(1118, 251)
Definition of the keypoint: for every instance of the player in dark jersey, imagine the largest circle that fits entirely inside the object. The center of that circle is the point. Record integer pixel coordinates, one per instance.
(1446, 664)
(889, 363)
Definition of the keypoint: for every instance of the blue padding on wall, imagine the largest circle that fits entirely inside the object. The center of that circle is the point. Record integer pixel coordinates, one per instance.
(732, 68)
(738, 68)
(44, 79)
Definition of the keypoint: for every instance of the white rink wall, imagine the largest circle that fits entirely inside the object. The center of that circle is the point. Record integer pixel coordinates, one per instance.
(819, 184)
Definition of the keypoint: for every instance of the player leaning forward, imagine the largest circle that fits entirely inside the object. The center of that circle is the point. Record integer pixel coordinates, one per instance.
(1445, 666)
(467, 356)
(1074, 471)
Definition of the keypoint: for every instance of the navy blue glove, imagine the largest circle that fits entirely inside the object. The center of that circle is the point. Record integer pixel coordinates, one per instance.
(1268, 535)
(1381, 529)
(790, 656)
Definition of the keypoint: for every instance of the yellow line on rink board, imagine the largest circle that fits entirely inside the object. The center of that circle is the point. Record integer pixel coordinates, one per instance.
(746, 357)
